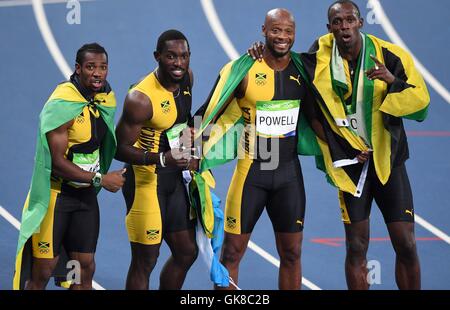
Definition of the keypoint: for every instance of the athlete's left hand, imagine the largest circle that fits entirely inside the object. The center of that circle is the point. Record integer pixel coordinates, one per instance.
(380, 72)
(256, 51)
(363, 156)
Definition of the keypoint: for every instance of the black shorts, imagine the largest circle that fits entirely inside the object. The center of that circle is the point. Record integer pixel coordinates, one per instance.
(394, 199)
(72, 220)
(281, 191)
(156, 204)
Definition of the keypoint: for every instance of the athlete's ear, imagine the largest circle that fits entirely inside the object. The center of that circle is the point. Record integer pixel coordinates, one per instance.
(157, 56)
(329, 28)
(77, 68)
(361, 22)
(263, 28)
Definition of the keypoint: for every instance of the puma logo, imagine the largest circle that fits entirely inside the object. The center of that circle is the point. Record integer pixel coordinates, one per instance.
(297, 79)
(187, 92)
(409, 212)
(299, 222)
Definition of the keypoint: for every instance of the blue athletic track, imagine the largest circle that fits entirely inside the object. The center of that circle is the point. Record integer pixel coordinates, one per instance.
(129, 30)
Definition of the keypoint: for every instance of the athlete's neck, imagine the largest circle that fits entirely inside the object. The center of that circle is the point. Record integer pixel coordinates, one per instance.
(275, 62)
(166, 81)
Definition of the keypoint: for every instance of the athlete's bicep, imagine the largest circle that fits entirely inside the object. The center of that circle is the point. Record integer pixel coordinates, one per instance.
(58, 141)
(136, 110)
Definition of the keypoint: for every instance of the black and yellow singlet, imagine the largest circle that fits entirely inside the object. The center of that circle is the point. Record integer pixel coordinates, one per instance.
(72, 219)
(266, 85)
(169, 109)
(271, 106)
(155, 196)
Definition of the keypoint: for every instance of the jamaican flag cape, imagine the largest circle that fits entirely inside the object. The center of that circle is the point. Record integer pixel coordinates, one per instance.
(223, 143)
(65, 103)
(383, 108)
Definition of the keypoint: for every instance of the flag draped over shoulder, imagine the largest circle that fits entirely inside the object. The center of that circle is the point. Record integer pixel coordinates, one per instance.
(383, 106)
(223, 141)
(221, 145)
(64, 104)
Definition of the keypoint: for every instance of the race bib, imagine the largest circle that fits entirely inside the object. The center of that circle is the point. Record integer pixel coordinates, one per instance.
(173, 135)
(277, 118)
(87, 162)
(358, 125)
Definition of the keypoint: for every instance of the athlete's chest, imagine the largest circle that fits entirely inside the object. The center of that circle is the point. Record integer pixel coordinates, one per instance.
(170, 108)
(264, 84)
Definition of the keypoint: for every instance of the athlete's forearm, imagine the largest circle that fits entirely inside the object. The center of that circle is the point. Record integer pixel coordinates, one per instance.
(136, 156)
(67, 170)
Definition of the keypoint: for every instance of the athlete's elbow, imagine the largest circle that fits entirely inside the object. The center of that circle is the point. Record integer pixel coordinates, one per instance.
(58, 169)
(120, 153)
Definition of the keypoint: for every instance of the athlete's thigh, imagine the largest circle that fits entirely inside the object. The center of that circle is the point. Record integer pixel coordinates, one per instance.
(83, 230)
(395, 198)
(48, 240)
(143, 220)
(247, 197)
(286, 202)
(176, 217)
(357, 209)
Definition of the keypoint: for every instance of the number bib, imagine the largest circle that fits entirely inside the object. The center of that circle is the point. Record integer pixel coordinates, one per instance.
(277, 118)
(173, 135)
(87, 162)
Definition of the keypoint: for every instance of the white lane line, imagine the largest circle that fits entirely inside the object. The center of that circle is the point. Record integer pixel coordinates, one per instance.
(431, 228)
(395, 38)
(222, 37)
(14, 222)
(10, 3)
(49, 39)
(11, 219)
(217, 28)
(267, 256)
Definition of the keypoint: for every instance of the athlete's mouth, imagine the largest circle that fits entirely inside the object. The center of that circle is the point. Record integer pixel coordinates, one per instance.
(177, 72)
(97, 83)
(281, 45)
(346, 37)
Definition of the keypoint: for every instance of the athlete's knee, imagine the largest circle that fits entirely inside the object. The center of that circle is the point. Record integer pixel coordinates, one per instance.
(42, 270)
(357, 246)
(87, 266)
(42, 274)
(290, 256)
(144, 263)
(406, 250)
(187, 255)
(232, 254)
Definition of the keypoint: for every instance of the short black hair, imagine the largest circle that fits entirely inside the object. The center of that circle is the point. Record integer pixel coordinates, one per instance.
(169, 35)
(344, 2)
(90, 48)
